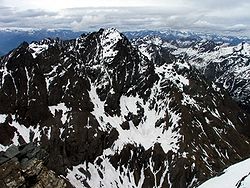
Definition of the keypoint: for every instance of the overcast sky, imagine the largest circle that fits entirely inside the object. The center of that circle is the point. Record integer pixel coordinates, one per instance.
(219, 16)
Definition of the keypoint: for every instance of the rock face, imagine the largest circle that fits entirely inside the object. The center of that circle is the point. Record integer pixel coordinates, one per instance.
(111, 117)
(24, 167)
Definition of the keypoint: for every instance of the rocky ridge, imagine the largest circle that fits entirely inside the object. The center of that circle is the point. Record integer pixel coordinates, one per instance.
(110, 116)
(23, 166)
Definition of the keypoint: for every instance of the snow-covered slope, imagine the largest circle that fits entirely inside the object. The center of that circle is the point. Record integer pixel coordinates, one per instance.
(110, 117)
(235, 176)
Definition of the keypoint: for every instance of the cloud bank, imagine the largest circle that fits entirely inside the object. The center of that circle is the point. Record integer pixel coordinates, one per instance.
(224, 16)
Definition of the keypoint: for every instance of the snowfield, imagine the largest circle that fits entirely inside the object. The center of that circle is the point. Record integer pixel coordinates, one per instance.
(235, 176)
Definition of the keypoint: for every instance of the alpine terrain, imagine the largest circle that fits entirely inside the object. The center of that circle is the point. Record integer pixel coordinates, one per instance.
(107, 112)
(223, 60)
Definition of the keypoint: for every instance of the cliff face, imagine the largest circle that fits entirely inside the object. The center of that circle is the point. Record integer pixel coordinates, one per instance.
(108, 116)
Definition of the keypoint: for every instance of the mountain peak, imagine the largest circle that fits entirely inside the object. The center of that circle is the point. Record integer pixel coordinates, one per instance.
(109, 39)
(99, 106)
(110, 30)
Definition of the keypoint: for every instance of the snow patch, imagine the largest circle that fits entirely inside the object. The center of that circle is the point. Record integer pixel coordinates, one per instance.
(146, 133)
(2, 118)
(22, 131)
(60, 107)
(37, 49)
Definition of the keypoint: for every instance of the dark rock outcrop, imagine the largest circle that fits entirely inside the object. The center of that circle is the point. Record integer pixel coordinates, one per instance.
(24, 166)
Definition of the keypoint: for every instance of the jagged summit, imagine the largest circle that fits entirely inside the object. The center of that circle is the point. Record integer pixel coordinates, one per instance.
(110, 116)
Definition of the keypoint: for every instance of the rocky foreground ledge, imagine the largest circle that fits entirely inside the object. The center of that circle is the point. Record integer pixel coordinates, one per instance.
(24, 166)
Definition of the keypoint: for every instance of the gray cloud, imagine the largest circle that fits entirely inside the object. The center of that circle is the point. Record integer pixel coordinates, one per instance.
(221, 16)
(217, 4)
(35, 13)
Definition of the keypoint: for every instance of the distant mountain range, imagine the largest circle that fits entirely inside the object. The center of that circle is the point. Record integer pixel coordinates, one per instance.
(10, 38)
(175, 35)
